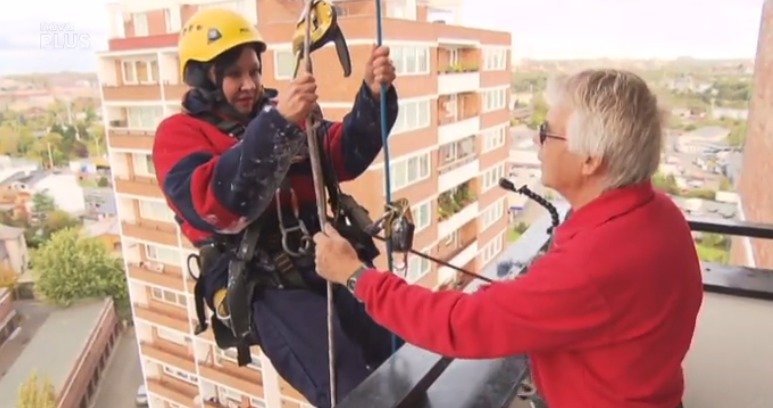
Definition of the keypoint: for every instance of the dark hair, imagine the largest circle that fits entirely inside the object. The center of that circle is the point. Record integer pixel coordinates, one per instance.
(197, 73)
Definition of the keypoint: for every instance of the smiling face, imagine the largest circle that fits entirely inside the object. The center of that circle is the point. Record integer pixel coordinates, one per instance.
(242, 81)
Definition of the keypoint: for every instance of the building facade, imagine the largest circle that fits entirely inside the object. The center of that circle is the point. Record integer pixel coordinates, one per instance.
(755, 192)
(447, 151)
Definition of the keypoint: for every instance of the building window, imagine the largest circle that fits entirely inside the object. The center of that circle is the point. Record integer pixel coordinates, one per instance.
(140, 21)
(182, 375)
(155, 211)
(143, 165)
(412, 115)
(410, 60)
(492, 249)
(284, 63)
(492, 214)
(494, 99)
(494, 59)
(457, 151)
(494, 139)
(171, 336)
(230, 354)
(422, 215)
(140, 72)
(144, 117)
(409, 171)
(417, 268)
(491, 177)
(162, 254)
(167, 296)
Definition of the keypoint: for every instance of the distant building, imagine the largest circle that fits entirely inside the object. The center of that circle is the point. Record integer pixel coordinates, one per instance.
(71, 348)
(754, 185)
(13, 249)
(99, 202)
(9, 319)
(730, 113)
(106, 230)
(705, 140)
(63, 188)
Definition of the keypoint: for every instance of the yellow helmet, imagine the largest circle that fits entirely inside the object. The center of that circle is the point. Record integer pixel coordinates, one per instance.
(210, 32)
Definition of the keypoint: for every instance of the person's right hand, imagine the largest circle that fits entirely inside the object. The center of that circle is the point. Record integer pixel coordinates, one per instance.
(297, 102)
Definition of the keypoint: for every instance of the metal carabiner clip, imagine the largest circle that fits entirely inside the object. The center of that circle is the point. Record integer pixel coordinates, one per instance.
(305, 241)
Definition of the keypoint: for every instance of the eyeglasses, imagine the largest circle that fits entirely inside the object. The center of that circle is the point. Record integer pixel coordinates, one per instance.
(544, 134)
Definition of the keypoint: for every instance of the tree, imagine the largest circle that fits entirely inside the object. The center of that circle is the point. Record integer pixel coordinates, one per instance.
(33, 394)
(103, 182)
(737, 136)
(71, 267)
(540, 111)
(42, 203)
(665, 183)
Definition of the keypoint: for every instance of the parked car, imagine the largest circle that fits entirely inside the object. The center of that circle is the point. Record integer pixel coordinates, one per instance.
(142, 397)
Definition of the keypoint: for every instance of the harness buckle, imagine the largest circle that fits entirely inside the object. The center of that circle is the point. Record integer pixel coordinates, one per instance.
(304, 247)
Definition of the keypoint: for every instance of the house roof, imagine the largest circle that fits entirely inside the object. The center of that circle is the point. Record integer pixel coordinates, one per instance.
(8, 232)
(50, 353)
(104, 226)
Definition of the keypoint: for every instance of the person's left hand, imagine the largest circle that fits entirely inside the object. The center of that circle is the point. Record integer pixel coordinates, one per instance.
(379, 70)
(335, 257)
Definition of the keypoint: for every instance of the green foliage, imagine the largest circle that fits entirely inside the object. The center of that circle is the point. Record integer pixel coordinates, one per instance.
(42, 203)
(103, 182)
(540, 107)
(666, 183)
(36, 394)
(737, 136)
(71, 267)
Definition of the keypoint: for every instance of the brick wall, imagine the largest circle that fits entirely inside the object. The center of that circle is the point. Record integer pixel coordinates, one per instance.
(755, 184)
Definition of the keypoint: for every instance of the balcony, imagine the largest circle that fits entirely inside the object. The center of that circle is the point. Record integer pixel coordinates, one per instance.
(138, 186)
(168, 354)
(463, 256)
(175, 92)
(244, 379)
(132, 93)
(174, 390)
(728, 364)
(457, 172)
(456, 210)
(458, 82)
(130, 139)
(158, 274)
(177, 321)
(161, 233)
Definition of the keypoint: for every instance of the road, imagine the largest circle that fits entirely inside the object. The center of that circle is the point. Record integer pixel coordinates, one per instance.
(122, 376)
(34, 314)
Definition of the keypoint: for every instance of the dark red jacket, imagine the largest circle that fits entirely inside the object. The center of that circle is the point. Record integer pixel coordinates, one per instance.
(217, 183)
(606, 315)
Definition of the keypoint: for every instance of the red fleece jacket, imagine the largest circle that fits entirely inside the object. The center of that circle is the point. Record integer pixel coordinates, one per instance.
(606, 316)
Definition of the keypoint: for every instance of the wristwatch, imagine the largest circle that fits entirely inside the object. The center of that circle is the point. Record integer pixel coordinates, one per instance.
(351, 283)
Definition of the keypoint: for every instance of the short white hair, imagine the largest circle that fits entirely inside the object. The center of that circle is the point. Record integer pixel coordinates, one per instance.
(614, 116)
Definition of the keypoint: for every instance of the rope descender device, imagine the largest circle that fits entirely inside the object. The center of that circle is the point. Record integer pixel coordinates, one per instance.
(324, 29)
(398, 226)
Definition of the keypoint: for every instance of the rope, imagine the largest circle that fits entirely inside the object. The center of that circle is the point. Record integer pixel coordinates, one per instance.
(319, 191)
(385, 144)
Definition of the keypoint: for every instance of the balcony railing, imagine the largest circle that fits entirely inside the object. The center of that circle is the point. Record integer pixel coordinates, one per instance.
(731, 350)
(451, 202)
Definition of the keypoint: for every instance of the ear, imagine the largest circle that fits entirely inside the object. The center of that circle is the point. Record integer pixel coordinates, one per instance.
(592, 166)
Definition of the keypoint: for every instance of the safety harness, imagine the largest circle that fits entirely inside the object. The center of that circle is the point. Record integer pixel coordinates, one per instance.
(232, 320)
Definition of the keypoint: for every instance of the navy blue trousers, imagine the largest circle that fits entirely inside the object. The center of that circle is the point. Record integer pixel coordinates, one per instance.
(292, 328)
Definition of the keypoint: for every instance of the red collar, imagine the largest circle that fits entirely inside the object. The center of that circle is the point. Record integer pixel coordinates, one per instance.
(605, 207)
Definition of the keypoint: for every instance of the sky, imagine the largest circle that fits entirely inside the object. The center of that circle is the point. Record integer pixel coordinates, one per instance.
(55, 35)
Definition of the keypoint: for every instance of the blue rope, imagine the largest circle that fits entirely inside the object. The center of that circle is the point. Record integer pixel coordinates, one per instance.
(385, 143)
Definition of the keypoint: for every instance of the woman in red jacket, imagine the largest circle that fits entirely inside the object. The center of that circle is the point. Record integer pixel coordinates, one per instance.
(236, 156)
(608, 313)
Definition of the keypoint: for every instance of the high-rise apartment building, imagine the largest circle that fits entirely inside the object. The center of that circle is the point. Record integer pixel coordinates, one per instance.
(448, 149)
(754, 186)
